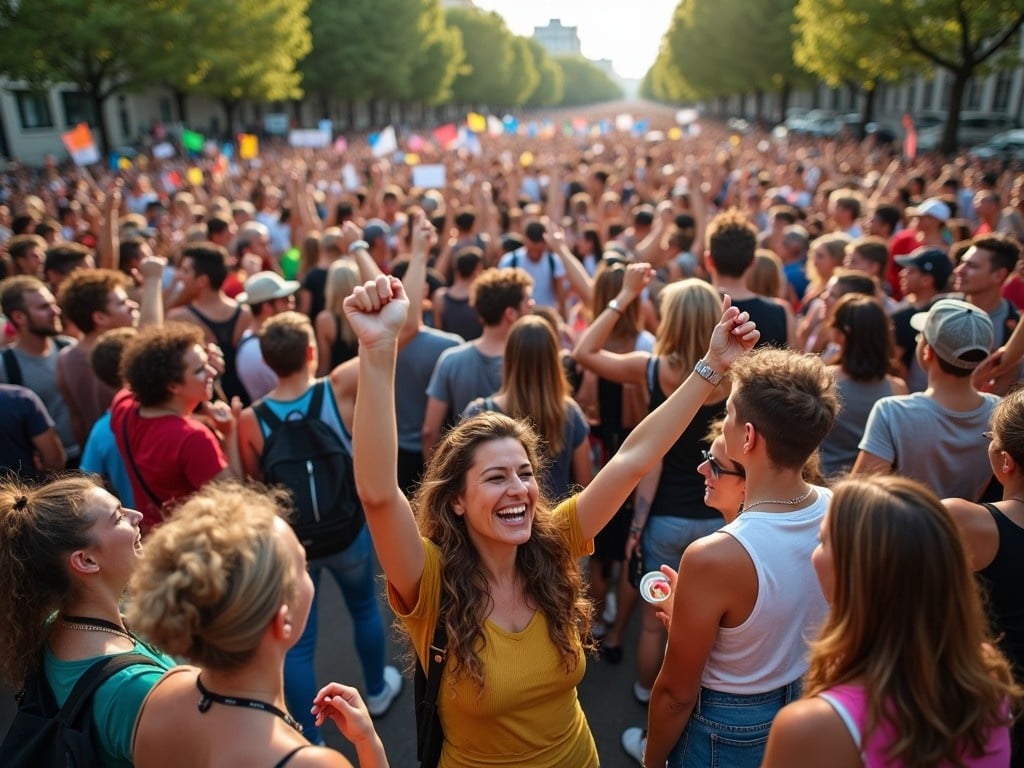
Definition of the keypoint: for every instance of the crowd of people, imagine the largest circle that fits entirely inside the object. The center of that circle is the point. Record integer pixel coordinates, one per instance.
(779, 370)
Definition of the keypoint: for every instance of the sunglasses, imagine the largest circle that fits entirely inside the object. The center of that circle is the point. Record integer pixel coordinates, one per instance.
(717, 470)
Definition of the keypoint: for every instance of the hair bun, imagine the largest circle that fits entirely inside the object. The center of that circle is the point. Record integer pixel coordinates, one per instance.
(21, 502)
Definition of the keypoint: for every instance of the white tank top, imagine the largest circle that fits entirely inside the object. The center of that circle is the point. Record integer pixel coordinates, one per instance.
(769, 649)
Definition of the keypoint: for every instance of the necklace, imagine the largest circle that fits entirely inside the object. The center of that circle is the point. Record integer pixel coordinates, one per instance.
(788, 502)
(206, 698)
(89, 624)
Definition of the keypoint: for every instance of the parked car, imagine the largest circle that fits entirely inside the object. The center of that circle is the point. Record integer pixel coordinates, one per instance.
(1008, 145)
(974, 128)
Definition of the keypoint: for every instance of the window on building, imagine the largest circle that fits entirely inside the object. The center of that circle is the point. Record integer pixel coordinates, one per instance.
(77, 108)
(911, 95)
(928, 96)
(34, 109)
(1001, 92)
(165, 110)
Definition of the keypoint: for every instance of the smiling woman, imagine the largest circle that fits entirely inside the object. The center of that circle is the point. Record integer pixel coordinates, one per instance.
(487, 556)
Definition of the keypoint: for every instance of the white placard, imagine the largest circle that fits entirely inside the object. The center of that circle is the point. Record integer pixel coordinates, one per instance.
(428, 176)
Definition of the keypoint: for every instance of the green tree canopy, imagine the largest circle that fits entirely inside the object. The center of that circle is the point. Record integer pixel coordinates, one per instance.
(486, 77)
(585, 82)
(550, 82)
(103, 48)
(959, 36)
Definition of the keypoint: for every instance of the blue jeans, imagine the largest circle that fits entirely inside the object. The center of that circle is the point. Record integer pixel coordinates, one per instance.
(353, 571)
(730, 730)
(665, 538)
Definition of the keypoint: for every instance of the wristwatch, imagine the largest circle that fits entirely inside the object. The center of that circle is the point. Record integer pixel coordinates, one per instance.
(707, 373)
(358, 245)
(615, 306)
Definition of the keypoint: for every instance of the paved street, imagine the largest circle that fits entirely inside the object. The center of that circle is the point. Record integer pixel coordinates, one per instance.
(606, 691)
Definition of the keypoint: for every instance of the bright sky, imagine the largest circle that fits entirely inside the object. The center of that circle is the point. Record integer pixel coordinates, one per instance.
(628, 33)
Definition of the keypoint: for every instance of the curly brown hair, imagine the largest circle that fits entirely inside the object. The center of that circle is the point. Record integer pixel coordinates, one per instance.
(39, 527)
(552, 578)
(87, 291)
(155, 359)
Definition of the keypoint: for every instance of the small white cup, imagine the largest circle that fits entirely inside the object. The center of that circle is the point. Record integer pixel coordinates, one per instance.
(655, 587)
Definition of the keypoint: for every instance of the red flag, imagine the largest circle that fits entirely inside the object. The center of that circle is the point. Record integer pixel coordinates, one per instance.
(446, 134)
(909, 137)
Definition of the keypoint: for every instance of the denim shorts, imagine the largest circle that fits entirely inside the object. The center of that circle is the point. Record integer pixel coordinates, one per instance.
(730, 730)
(665, 538)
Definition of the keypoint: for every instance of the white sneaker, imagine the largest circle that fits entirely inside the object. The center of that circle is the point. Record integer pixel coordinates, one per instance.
(641, 694)
(610, 605)
(634, 742)
(381, 702)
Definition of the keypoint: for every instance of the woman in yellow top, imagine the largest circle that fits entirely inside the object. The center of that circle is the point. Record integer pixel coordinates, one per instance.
(486, 543)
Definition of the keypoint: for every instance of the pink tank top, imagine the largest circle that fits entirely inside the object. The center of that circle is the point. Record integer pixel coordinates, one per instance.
(851, 704)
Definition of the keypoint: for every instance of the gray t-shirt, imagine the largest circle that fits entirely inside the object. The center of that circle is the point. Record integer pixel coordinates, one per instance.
(463, 374)
(413, 371)
(40, 375)
(926, 442)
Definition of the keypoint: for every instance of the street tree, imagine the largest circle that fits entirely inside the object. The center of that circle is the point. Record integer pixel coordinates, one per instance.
(585, 82)
(962, 37)
(102, 48)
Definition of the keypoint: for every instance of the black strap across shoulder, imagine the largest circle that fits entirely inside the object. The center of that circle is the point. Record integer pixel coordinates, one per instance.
(135, 467)
(429, 734)
(316, 404)
(94, 677)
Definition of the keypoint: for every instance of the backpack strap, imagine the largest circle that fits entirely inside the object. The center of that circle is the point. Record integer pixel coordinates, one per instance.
(135, 467)
(429, 743)
(94, 677)
(652, 375)
(12, 367)
(316, 402)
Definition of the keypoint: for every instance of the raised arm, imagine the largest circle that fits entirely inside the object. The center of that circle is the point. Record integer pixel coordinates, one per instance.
(151, 308)
(628, 368)
(577, 276)
(734, 335)
(377, 311)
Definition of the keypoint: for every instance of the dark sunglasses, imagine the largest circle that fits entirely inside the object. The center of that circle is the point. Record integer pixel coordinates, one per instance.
(717, 470)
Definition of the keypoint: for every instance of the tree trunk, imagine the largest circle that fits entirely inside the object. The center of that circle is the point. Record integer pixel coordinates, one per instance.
(868, 115)
(97, 99)
(181, 102)
(230, 111)
(784, 95)
(956, 98)
(758, 105)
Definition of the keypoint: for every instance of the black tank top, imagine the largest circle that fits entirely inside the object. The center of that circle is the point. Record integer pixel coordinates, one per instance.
(458, 317)
(770, 319)
(1001, 579)
(223, 332)
(340, 349)
(681, 488)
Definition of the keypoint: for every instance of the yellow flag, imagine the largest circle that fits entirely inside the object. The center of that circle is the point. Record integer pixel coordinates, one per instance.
(248, 146)
(195, 176)
(675, 133)
(476, 122)
(526, 159)
(411, 158)
(124, 164)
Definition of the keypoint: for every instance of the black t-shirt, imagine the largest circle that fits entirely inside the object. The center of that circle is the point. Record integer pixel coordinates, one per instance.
(770, 319)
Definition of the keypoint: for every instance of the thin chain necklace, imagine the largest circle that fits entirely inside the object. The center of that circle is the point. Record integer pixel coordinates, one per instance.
(89, 624)
(787, 502)
(207, 697)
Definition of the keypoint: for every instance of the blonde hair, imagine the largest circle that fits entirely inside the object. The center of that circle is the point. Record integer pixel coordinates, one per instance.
(834, 244)
(533, 380)
(690, 310)
(907, 622)
(342, 279)
(214, 576)
(607, 284)
(765, 277)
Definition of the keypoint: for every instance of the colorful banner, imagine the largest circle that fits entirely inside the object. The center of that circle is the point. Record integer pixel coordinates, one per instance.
(80, 145)
(476, 122)
(248, 146)
(446, 134)
(384, 143)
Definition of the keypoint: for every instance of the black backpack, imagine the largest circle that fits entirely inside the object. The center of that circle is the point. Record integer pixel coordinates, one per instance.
(307, 458)
(44, 735)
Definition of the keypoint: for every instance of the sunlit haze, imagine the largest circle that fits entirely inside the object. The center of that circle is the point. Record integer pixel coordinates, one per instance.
(628, 33)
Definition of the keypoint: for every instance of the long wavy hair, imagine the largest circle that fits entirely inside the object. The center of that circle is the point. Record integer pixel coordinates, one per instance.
(907, 622)
(551, 575)
(533, 380)
(40, 525)
(689, 313)
(607, 284)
